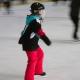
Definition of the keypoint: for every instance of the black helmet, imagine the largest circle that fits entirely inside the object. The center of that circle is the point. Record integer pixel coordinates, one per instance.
(37, 6)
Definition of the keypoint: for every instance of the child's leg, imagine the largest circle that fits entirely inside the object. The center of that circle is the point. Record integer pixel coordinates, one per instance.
(32, 59)
(39, 64)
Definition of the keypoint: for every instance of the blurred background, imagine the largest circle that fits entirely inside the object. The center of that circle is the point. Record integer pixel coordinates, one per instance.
(18, 2)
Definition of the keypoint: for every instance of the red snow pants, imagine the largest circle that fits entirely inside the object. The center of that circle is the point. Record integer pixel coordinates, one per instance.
(34, 65)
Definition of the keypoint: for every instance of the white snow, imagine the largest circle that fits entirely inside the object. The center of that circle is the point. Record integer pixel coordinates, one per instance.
(62, 58)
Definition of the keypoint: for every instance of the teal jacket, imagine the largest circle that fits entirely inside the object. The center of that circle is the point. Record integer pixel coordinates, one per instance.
(29, 18)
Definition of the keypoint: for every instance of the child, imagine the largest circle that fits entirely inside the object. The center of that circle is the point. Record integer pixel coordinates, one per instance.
(29, 40)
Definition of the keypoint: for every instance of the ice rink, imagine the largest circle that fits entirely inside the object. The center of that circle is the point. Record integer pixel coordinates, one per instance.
(62, 58)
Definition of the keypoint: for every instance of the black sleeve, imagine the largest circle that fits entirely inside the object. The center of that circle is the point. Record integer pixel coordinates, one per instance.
(36, 26)
(43, 37)
(46, 40)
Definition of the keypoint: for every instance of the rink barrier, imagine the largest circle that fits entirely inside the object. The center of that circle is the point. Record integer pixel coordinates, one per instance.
(29, 2)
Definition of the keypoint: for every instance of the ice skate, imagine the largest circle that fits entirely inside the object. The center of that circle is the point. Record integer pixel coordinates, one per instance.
(43, 74)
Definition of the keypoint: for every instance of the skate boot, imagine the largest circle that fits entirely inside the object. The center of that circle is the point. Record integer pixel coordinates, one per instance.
(42, 74)
(76, 38)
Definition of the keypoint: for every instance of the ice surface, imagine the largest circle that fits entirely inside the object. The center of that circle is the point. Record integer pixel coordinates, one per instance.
(62, 58)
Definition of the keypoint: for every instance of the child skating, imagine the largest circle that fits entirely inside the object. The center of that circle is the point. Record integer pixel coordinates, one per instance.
(29, 41)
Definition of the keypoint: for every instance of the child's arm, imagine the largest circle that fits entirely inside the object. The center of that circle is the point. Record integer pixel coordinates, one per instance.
(43, 37)
(41, 33)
